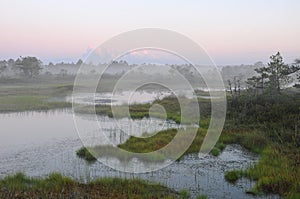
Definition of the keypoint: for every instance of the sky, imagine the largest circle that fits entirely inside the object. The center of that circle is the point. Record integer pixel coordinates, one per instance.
(231, 31)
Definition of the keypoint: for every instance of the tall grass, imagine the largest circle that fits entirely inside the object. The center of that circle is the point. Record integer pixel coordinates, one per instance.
(58, 186)
(253, 140)
(277, 172)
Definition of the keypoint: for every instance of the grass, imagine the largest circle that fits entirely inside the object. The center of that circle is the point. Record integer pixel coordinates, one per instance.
(233, 176)
(33, 96)
(28, 103)
(202, 197)
(110, 151)
(162, 138)
(251, 140)
(143, 148)
(274, 119)
(277, 172)
(139, 111)
(146, 145)
(215, 151)
(254, 141)
(58, 186)
(184, 194)
(85, 153)
(136, 111)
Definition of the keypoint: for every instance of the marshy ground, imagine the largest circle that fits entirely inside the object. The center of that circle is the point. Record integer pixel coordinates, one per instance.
(57, 186)
(264, 124)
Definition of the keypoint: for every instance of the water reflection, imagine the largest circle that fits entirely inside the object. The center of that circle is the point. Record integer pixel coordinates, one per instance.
(39, 143)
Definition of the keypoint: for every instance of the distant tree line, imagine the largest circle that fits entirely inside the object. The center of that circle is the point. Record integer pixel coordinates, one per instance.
(25, 66)
(30, 67)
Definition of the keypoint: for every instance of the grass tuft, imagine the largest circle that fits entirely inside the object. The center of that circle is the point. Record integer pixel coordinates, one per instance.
(233, 176)
(184, 194)
(85, 153)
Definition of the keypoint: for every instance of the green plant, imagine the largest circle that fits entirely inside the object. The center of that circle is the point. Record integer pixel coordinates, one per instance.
(202, 197)
(58, 186)
(85, 153)
(233, 176)
(215, 151)
(184, 194)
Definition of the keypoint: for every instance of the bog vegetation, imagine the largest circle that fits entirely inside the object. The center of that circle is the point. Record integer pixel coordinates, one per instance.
(264, 118)
(263, 115)
(58, 186)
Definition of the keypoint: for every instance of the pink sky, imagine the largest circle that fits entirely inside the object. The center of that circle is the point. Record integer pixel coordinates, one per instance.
(232, 32)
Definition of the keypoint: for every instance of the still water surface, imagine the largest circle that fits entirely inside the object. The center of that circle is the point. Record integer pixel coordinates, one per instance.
(38, 143)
